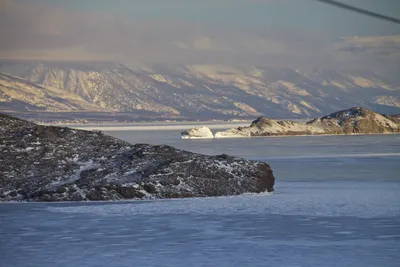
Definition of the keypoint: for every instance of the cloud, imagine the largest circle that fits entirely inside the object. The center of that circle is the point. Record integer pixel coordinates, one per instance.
(380, 45)
(51, 32)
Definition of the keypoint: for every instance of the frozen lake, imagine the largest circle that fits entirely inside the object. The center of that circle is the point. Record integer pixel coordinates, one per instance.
(337, 203)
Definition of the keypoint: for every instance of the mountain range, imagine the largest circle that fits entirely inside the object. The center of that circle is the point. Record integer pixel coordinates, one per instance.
(188, 92)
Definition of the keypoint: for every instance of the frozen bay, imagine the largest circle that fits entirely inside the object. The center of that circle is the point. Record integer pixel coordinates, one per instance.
(336, 204)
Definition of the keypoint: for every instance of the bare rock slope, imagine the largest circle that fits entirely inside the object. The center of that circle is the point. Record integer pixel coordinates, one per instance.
(356, 120)
(47, 163)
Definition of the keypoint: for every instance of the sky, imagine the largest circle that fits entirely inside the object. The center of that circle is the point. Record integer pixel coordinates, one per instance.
(257, 14)
(293, 33)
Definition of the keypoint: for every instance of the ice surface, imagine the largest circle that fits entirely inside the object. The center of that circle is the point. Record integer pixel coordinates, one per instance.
(336, 204)
(364, 200)
(303, 224)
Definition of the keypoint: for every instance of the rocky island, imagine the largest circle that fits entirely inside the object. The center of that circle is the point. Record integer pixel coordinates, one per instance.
(48, 163)
(356, 120)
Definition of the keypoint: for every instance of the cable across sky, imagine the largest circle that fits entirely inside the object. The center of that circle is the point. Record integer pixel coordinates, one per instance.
(361, 11)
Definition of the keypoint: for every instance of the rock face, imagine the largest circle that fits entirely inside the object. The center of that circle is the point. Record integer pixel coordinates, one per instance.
(18, 94)
(356, 120)
(394, 118)
(197, 133)
(47, 163)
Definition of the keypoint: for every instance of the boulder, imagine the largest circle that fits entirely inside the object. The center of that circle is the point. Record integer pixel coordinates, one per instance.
(48, 163)
(197, 133)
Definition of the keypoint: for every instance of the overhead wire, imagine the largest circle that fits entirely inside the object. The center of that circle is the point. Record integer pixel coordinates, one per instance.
(360, 10)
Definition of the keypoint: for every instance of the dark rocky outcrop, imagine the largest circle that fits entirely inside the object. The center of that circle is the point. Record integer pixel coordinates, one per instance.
(47, 163)
(356, 120)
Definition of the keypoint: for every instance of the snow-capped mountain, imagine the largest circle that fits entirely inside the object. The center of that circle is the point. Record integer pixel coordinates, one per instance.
(196, 91)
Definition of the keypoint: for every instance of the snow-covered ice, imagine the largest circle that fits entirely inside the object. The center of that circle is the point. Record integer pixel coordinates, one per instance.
(303, 224)
(336, 204)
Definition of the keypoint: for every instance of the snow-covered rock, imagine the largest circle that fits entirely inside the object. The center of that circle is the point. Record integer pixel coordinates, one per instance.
(267, 127)
(197, 133)
(48, 163)
(233, 133)
(356, 120)
(352, 121)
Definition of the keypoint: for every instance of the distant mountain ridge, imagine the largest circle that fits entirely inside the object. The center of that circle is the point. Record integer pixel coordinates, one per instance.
(197, 91)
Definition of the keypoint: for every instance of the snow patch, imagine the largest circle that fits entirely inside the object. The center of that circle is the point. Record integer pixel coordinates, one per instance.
(84, 166)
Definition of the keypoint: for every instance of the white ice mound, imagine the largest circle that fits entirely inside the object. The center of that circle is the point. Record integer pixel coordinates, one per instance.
(197, 133)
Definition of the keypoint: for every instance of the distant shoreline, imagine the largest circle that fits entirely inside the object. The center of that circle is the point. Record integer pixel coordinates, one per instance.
(152, 126)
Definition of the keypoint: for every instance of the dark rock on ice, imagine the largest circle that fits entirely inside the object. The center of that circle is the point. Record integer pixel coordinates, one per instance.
(47, 163)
